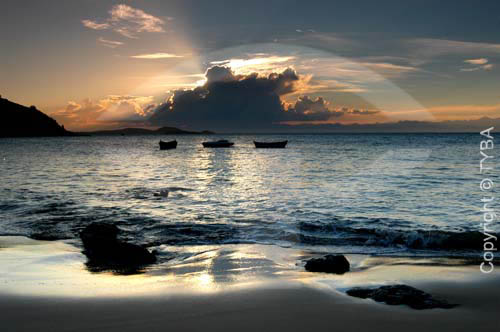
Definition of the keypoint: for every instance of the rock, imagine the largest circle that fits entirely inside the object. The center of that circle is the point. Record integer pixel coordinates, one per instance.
(401, 294)
(105, 252)
(99, 234)
(330, 264)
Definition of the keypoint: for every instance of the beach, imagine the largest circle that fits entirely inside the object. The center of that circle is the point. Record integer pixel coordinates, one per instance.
(44, 286)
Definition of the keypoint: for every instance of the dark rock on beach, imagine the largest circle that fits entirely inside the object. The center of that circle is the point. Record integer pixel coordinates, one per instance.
(330, 264)
(105, 252)
(401, 294)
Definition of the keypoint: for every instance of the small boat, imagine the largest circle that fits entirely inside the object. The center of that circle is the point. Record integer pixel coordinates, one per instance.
(270, 145)
(162, 193)
(168, 145)
(218, 144)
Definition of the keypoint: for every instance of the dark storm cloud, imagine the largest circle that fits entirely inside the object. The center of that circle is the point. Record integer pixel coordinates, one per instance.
(219, 74)
(309, 109)
(236, 102)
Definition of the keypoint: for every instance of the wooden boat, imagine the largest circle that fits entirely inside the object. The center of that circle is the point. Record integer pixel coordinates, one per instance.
(168, 145)
(218, 144)
(270, 145)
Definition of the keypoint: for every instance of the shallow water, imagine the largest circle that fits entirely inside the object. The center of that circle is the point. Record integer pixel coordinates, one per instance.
(386, 194)
(56, 269)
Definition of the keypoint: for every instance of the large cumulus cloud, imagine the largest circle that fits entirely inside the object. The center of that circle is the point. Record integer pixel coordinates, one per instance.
(240, 102)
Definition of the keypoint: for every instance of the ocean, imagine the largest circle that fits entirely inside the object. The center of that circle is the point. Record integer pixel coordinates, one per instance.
(384, 194)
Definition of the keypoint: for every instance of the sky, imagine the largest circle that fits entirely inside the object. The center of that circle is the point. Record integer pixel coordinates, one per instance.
(250, 65)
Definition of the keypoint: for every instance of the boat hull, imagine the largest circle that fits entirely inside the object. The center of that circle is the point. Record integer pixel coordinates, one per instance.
(217, 144)
(270, 145)
(168, 145)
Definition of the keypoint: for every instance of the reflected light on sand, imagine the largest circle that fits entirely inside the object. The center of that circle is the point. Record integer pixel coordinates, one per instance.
(41, 268)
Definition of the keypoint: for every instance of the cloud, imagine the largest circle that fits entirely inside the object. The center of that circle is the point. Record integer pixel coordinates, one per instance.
(458, 111)
(470, 69)
(94, 25)
(126, 108)
(260, 64)
(142, 20)
(128, 22)
(480, 61)
(72, 107)
(327, 115)
(156, 56)
(77, 116)
(228, 101)
(109, 43)
(125, 32)
(309, 109)
(429, 47)
(389, 69)
(220, 74)
(361, 112)
(465, 111)
(331, 42)
(111, 111)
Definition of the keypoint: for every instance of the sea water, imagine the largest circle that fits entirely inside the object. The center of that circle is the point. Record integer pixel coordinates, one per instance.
(410, 194)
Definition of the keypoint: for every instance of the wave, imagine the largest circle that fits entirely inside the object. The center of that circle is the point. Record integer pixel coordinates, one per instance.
(196, 234)
(314, 234)
(143, 193)
(338, 236)
(57, 219)
(411, 239)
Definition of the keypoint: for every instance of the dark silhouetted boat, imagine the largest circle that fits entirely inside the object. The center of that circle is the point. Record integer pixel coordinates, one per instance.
(218, 144)
(270, 145)
(168, 145)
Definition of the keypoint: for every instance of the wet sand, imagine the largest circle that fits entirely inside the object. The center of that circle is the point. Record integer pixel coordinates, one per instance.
(44, 287)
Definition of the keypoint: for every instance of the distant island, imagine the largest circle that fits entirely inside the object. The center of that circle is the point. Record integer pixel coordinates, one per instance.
(21, 121)
(400, 127)
(144, 131)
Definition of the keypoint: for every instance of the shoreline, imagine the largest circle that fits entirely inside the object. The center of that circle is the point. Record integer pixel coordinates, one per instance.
(211, 268)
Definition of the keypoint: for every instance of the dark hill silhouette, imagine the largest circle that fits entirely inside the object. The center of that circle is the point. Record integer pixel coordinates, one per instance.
(21, 121)
(144, 131)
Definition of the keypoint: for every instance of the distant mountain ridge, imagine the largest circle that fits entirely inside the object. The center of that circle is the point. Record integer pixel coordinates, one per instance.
(404, 127)
(144, 131)
(20, 121)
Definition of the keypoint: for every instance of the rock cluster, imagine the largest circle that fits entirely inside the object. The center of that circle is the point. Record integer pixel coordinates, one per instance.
(401, 294)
